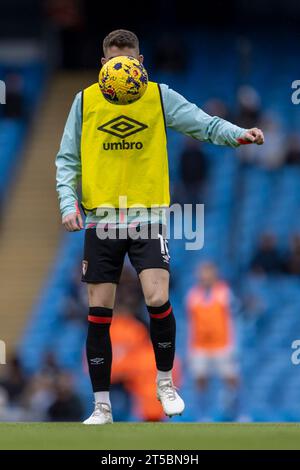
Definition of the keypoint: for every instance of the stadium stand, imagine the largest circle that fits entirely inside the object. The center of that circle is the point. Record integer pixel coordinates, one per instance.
(26, 255)
(14, 126)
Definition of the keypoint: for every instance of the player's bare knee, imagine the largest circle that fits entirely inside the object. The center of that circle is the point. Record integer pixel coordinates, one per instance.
(155, 285)
(156, 298)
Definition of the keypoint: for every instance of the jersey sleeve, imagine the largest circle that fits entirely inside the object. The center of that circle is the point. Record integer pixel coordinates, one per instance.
(68, 161)
(189, 119)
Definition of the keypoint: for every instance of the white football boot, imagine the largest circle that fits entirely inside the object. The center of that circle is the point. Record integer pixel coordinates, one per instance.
(170, 400)
(101, 415)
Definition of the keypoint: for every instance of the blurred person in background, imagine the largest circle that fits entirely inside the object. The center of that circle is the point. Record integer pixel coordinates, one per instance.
(50, 365)
(69, 21)
(248, 111)
(38, 396)
(66, 405)
(14, 107)
(212, 347)
(292, 260)
(4, 405)
(272, 155)
(292, 153)
(192, 172)
(14, 379)
(217, 107)
(248, 106)
(267, 259)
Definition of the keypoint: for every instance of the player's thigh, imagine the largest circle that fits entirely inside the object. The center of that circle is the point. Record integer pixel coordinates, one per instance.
(149, 256)
(103, 259)
(155, 286)
(149, 248)
(102, 295)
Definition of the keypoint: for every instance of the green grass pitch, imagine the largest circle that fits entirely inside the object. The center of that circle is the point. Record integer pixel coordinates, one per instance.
(155, 436)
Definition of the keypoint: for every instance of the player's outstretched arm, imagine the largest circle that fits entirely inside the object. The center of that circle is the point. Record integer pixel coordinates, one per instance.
(187, 118)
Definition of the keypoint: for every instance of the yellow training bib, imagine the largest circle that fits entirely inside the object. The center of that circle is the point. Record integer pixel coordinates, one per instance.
(124, 151)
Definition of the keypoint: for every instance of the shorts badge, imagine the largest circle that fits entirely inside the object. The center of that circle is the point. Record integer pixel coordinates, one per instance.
(84, 267)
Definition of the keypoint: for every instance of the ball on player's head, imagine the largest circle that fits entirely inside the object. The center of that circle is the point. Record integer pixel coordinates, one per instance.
(123, 80)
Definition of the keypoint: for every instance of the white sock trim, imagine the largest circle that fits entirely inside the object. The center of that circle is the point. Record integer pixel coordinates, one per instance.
(102, 397)
(162, 375)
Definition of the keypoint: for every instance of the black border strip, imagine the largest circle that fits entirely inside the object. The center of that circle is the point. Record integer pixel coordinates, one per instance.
(154, 457)
(162, 106)
(82, 95)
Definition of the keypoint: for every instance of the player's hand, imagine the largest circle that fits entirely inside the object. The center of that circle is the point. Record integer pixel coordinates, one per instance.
(73, 222)
(252, 136)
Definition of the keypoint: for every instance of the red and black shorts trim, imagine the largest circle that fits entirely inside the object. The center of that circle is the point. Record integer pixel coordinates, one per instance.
(103, 258)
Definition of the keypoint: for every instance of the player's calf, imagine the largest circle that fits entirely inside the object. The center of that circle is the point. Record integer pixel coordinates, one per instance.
(99, 358)
(163, 333)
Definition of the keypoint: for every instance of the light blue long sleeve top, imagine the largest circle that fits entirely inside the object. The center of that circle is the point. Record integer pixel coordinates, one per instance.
(180, 115)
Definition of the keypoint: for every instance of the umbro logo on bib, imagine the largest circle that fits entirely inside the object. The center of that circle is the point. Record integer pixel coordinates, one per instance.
(122, 127)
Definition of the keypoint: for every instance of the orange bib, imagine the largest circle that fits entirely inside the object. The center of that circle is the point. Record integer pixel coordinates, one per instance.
(210, 319)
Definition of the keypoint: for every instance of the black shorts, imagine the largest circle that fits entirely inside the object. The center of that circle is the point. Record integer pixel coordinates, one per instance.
(103, 258)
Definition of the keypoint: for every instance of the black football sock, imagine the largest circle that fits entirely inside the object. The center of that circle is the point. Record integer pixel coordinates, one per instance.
(98, 348)
(163, 332)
